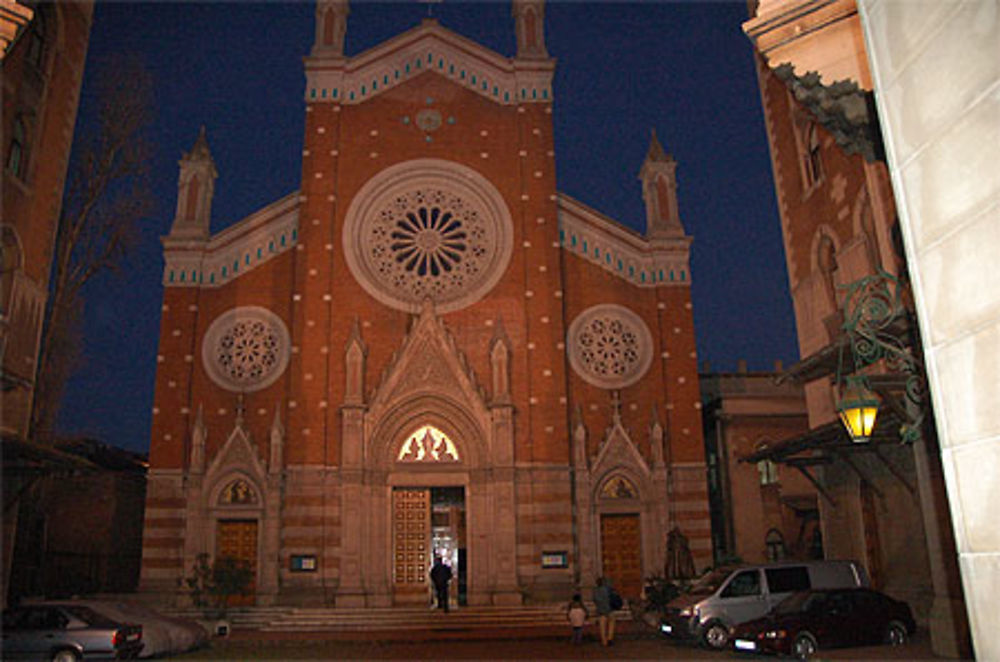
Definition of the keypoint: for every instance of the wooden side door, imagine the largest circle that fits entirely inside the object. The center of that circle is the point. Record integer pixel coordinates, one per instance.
(621, 553)
(238, 539)
(411, 538)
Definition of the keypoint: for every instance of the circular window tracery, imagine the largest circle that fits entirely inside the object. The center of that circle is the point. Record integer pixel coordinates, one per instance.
(427, 229)
(246, 349)
(610, 346)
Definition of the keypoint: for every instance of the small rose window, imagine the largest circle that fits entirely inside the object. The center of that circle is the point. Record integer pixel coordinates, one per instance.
(246, 349)
(609, 346)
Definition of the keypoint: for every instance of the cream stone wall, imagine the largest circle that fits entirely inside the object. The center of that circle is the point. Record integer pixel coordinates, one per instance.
(936, 70)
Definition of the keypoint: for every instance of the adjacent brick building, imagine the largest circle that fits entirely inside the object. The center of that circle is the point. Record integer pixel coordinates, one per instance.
(44, 51)
(427, 348)
(762, 511)
(881, 501)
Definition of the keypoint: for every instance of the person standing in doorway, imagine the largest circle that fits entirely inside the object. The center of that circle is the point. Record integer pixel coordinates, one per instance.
(440, 577)
(605, 615)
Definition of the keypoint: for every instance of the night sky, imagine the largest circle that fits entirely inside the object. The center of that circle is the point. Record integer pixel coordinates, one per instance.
(683, 69)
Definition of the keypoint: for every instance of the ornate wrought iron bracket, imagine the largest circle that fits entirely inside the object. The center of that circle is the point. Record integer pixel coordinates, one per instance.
(873, 312)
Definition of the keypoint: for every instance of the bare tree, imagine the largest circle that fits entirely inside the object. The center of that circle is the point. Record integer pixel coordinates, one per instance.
(106, 197)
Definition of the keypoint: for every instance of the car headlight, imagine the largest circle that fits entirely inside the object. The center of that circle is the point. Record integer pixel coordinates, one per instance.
(775, 634)
(687, 612)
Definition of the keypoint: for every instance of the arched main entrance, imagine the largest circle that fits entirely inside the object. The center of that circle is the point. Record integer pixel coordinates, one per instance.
(429, 439)
(428, 521)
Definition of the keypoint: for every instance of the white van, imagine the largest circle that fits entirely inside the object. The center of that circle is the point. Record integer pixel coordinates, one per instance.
(728, 596)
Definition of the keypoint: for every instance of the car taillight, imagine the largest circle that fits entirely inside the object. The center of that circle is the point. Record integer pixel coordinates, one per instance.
(117, 639)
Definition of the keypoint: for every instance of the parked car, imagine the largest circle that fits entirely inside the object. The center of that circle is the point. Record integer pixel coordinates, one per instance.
(808, 621)
(67, 633)
(161, 634)
(729, 596)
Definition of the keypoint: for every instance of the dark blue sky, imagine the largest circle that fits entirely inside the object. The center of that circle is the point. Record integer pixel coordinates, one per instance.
(682, 68)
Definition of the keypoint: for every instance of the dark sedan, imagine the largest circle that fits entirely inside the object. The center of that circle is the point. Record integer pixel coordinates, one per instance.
(805, 622)
(61, 633)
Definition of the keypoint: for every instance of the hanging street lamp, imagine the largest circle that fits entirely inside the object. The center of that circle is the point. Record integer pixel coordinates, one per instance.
(858, 408)
(872, 306)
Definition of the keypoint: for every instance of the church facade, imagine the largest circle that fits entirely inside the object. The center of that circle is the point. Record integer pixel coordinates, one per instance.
(426, 350)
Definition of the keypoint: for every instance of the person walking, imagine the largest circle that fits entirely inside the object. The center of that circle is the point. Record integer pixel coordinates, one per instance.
(577, 615)
(605, 614)
(440, 576)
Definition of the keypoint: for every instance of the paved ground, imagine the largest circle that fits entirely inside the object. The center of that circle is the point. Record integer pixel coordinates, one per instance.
(635, 643)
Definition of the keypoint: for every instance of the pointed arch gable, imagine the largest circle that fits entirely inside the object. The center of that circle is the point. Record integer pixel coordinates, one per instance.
(619, 450)
(428, 382)
(619, 457)
(237, 457)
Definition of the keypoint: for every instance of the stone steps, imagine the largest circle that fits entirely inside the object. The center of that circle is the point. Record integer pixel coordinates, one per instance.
(297, 619)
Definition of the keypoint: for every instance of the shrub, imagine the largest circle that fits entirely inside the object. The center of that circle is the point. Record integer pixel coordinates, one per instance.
(214, 584)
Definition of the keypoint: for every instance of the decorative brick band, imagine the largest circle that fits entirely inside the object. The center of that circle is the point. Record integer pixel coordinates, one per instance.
(236, 250)
(428, 47)
(590, 235)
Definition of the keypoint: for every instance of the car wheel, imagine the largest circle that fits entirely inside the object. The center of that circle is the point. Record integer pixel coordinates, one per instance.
(804, 646)
(896, 634)
(65, 655)
(716, 635)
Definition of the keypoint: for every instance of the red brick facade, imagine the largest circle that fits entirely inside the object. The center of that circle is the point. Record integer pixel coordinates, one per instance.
(320, 445)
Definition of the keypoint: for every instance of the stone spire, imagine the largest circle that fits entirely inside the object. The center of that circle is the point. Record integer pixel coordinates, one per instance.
(195, 188)
(529, 25)
(277, 443)
(355, 353)
(656, 438)
(659, 192)
(198, 436)
(500, 363)
(331, 27)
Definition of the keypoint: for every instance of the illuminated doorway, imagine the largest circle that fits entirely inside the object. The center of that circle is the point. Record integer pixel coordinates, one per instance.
(428, 521)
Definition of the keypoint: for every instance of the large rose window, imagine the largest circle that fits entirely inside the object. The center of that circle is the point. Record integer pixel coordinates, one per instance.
(246, 349)
(427, 229)
(609, 346)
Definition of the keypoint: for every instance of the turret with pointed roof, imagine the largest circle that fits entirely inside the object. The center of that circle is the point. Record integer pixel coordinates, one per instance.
(195, 188)
(659, 191)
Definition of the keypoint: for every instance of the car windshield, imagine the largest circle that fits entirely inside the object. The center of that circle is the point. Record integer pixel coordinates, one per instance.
(710, 583)
(800, 603)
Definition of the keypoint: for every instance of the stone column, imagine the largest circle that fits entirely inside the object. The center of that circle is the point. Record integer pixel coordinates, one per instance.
(583, 487)
(503, 525)
(354, 517)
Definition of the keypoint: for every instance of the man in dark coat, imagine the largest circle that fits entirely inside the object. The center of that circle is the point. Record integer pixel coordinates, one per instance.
(441, 575)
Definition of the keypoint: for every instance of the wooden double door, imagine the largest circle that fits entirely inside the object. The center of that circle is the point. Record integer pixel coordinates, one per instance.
(621, 553)
(238, 539)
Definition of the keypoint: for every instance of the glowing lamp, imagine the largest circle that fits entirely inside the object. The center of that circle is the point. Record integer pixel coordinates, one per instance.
(858, 407)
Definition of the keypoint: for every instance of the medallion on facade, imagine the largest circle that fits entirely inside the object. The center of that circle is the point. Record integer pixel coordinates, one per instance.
(428, 444)
(428, 120)
(435, 231)
(610, 346)
(246, 349)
